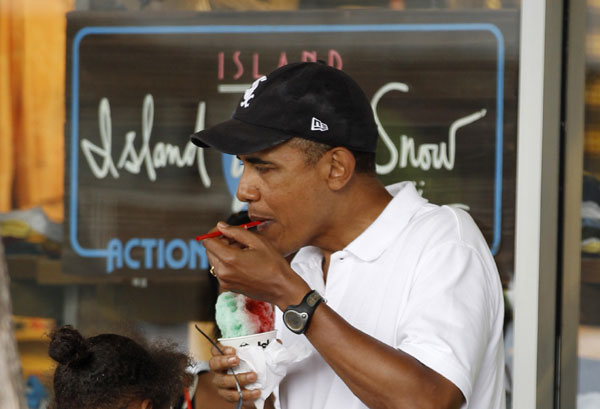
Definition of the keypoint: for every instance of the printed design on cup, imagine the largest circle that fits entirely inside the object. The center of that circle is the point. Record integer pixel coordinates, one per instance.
(262, 340)
(263, 345)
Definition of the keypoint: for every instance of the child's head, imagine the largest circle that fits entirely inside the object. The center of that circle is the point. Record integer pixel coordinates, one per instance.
(110, 371)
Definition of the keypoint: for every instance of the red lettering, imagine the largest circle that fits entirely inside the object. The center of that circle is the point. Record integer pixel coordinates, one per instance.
(282, 59)
(238, 64)
(255, 60)
(221, 65)
(309, 56)
(335, 59)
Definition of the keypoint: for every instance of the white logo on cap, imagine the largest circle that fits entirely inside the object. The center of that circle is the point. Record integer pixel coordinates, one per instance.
(317, 125)
(249, 93)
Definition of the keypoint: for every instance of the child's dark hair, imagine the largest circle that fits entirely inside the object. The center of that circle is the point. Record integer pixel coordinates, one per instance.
(110, 371)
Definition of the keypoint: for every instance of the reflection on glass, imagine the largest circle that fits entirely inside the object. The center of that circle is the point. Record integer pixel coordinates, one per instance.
(589, 329)
(278, 5)
(42, 294)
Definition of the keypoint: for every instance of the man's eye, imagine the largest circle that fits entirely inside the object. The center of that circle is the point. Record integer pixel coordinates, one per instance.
(261, 169)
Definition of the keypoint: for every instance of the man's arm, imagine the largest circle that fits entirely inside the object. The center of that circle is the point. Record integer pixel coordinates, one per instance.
(379, 375)
(206, 394)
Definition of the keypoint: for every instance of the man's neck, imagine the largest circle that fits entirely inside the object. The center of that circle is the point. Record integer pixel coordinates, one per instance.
(355, 211)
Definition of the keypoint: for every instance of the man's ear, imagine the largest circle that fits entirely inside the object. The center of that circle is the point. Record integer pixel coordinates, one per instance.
(146, 404)
(340, 164)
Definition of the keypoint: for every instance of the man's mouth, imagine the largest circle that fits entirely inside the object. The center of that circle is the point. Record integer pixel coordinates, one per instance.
(266, 222)
(264, 225)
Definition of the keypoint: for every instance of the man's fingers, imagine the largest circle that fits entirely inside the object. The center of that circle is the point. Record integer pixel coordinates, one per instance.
(220, 249)
(239, 234)
(221, 254)
(226, 351)
(228, 381)
(222, 363)
(227, 388)
(232, 395)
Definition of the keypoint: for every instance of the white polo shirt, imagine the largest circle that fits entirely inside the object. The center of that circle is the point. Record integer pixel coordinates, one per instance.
(421, 279)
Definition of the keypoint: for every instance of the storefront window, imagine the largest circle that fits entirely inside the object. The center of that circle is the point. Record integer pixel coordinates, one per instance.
(98, 216)
(589, 329)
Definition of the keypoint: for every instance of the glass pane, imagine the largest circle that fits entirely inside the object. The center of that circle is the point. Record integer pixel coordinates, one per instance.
(116, 251)
(589, 330)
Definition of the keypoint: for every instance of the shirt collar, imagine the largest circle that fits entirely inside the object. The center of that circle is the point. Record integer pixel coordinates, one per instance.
(371, 243)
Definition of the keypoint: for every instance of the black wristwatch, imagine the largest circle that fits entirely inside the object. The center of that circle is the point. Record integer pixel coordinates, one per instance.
(297, 317)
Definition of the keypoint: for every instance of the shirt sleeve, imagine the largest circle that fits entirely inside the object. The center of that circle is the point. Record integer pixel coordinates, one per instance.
(446, 323)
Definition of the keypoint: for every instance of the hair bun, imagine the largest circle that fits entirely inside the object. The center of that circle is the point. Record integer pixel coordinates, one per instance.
(67, 346)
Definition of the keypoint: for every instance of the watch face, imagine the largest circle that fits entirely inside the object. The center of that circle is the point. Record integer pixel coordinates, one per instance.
(295, 320)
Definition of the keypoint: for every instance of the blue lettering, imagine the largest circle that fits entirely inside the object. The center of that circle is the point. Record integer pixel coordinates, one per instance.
(160, 254)
(131, 263)
(148, 245)
(115, 255)
(177, 264)
(197, 250)
(157, 254)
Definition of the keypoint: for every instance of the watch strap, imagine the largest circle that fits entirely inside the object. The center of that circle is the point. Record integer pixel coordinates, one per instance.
(297, 317)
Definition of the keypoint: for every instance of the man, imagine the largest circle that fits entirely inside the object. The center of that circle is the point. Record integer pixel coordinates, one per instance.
(413, 317)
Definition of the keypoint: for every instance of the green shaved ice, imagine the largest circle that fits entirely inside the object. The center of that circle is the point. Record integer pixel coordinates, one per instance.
(232, 316)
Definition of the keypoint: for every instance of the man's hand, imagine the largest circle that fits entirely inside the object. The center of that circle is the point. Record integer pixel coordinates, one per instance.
(246, 263)
(225, 383)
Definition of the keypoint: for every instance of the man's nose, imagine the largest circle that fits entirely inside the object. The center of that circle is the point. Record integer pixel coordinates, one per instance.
(246, 192)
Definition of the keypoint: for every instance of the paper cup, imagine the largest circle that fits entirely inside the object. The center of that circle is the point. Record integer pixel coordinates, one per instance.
(262, 340)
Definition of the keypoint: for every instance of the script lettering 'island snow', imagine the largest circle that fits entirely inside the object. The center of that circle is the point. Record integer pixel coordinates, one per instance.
(238, 315)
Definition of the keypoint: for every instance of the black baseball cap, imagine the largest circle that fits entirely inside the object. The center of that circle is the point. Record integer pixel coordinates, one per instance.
(308, 100)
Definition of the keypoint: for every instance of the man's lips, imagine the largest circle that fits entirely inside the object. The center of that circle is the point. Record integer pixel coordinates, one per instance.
(264, 225)
(266, 221)
(258, 217)
(217, 233)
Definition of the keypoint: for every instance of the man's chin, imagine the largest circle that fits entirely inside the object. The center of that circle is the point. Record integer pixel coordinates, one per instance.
(266, 230)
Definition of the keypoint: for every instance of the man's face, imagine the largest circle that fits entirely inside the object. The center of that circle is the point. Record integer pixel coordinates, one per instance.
(286, 192)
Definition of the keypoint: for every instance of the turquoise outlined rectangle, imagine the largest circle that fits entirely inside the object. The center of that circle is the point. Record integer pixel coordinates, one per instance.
(270, 29)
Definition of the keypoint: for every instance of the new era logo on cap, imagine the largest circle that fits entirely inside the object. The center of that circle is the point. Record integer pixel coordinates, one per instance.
(317, 125)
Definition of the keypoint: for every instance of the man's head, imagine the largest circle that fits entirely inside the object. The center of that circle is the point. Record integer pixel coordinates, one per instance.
(303, 133)
(296, 193)
(310, 101)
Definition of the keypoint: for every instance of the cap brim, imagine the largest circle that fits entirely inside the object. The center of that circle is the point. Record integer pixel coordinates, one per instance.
(239, 138)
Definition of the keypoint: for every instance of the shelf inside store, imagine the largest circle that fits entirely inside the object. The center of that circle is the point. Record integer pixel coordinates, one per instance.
(590, 291)
(32, 329)
(49, 271)
(44, 270)
(592, 111)
(590, 270)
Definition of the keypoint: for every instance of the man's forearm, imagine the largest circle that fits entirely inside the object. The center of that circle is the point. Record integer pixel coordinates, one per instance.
(378, 374)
